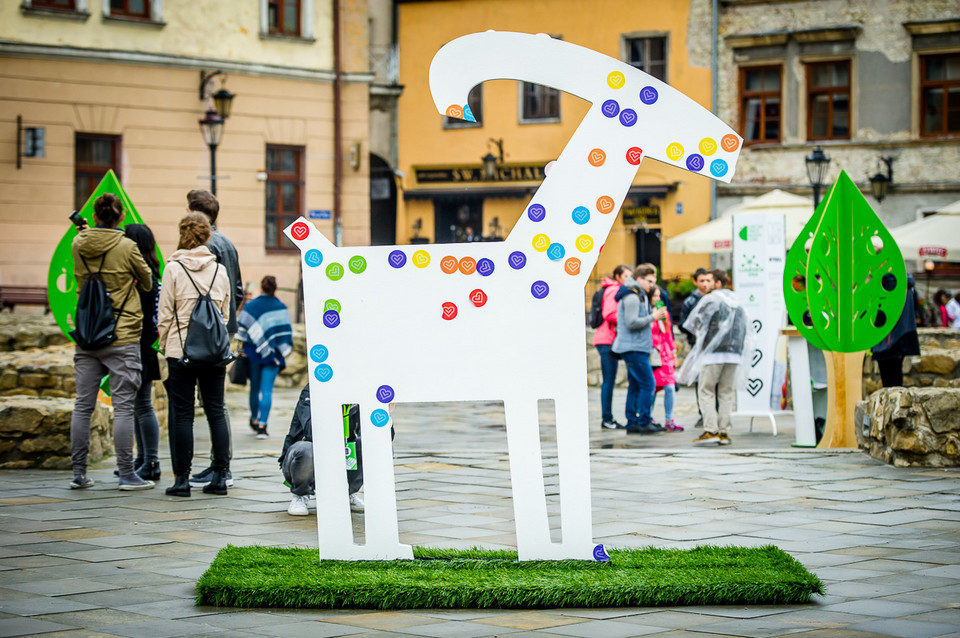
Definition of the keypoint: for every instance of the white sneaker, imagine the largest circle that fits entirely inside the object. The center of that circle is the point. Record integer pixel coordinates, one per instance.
(298, 506)
(356, 503)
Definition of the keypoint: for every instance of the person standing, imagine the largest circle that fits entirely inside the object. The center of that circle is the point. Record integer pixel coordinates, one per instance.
(662, 334)
(193, 270)
(267, 336)
(603, 341)
(938, 314)
(634, 342)
(953, 312)
(146, 425)
(902, 340)
(705, 283)
(720, 324)
(203, 201)
(105, 252)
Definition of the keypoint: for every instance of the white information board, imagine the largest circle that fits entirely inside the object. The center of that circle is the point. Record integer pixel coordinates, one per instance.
(759, 249)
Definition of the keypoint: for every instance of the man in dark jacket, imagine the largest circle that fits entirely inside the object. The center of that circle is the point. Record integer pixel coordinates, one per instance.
(296, 459)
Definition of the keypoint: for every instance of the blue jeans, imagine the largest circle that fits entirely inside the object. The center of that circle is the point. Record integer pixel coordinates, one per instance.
(262, 376)
(608, 369)
(640, 388)
(668, 398)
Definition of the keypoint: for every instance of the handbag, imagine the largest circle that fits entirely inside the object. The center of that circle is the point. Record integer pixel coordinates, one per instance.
(655, 360)
(240, 371)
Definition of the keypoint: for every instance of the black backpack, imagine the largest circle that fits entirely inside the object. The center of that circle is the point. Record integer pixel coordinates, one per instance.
(95, 320)
(207, 341)
(596, 309)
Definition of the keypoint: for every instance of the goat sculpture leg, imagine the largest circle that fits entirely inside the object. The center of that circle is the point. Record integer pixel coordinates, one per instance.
(335, 526)
(526, 478)
(573, 459)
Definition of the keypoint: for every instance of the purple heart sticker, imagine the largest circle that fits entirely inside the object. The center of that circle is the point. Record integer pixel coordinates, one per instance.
(485, 267)
(600, 554)
(385, 394)
(517, 260)
(331, 318)
(610, 108)
(695, 162)
(397, 259)
(536, 212)
(628, 117)
(648, 95)
(540, 289)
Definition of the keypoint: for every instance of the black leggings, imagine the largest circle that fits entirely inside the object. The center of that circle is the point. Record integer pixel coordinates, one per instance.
(891, 372)
(181, 388)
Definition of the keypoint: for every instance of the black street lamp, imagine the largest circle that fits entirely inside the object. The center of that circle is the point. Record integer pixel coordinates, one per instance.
(491, 161)
(817, 164)
(211, 126)
(880, 183)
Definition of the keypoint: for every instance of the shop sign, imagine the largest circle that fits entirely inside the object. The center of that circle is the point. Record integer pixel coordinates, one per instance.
(933, 251)
(474, 174)
(641, 215)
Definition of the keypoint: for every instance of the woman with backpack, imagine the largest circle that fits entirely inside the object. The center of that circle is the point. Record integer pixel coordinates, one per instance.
(192, 274)
(267, 338)
(146, 426)
(108, 268)
(603, 338)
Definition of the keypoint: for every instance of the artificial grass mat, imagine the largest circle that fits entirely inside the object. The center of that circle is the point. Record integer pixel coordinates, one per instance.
(257, 576)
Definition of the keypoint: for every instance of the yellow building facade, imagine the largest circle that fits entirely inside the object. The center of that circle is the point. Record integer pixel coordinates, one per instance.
(121, 89)
(447, 195)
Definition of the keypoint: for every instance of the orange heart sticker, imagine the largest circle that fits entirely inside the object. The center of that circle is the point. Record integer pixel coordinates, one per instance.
(468, 265)
(605, 204)
(456, 111)
(572, 266)
(597, 157)
(730, 142)
(448, 264)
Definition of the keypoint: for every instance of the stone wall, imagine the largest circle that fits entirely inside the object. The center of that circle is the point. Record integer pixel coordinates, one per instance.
(911, 426)
(35, 432)
(937, 366)
(19, 332)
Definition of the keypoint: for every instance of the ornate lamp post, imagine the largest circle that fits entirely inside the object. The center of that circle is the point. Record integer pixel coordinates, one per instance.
(211, 126)
(817, 164)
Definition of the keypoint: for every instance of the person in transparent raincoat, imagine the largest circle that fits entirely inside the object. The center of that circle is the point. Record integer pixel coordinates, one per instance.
(719, 357)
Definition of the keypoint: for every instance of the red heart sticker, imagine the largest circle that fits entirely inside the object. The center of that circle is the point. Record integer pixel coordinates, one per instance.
(449, 310)
(634, 155)
(478, 297)
(299, 231)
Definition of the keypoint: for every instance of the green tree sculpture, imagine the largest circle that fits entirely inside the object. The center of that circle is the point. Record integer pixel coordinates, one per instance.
(845, 282)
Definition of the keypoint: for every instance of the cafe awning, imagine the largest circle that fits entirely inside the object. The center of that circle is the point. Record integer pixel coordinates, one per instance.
(936, 237)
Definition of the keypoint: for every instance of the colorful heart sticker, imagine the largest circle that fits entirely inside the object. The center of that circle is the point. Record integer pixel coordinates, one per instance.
(449, 264)
(605, 204)
(597, 157)
(634, 155)
(648, 95)
(313, 257)
(449, 310)
(584, 243)
(695, 162)
(397, 259)
(454, 110)
(331, 318)
(581, 215)
(379, 417)
(319, 353)
(299, 231)
(615, 80)
(468, 113)
(708, 146)
(718, 168)
(331, 304)
(357, 264)
(536, 212)
(385, 394)
(675, 151)
(517, 260)
(421, 259)
(572, 266)
(628, 117)
(323, 373)
(730, 142)
(610, 108)
(540, 289)
(541, 242)
(556, 252)
(478, 298)
(600, 554)
(468, 265)
(335, 271)
(485, 267)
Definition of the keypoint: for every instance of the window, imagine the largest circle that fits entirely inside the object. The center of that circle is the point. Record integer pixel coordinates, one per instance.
(538, 102)
(283, 17)
(284, 202)
(760, 104)
(94, 155)
(139, 9)
(828, 100)
(62, 5)
(940, 94)
(475, 102)
(648, 55)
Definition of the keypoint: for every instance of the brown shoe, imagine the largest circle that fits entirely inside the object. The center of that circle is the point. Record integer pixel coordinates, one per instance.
(724, 439)
(707, 438)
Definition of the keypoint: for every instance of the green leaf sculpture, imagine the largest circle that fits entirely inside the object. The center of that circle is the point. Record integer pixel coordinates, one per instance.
(851, 272)
(61, 284)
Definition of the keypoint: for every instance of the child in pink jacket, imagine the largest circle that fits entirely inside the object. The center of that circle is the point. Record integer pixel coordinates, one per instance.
(662, 332)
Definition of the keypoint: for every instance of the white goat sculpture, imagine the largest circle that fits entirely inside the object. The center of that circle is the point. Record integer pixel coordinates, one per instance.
(490, 321)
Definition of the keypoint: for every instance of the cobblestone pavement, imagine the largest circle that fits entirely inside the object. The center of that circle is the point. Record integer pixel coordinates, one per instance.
(886, 541)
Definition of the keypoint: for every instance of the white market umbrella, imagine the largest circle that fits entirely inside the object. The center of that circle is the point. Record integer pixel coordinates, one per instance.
(716, 236)
(935, 237)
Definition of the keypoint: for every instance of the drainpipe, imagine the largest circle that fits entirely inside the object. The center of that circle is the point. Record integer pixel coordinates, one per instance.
(337, 130)
(713, 105)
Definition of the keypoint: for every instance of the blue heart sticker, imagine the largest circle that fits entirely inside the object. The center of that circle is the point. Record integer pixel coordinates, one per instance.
(718, 168)
(397, 259)
(323, 373)
(628, 117)
(385, 394)
(319, 353)
(556, 252)
(581, 215)
(648, 95)
(313, 258)
(540, 289)
(610, 108)
(379, 417)
(517, 260)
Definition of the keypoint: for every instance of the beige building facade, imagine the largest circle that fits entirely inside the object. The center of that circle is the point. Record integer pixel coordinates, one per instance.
(121, 89)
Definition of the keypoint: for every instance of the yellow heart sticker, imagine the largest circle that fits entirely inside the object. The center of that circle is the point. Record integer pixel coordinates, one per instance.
(675, 151)
(615, 80)
(708, 146)
(541, 242)
(421, 259)
(584, 243)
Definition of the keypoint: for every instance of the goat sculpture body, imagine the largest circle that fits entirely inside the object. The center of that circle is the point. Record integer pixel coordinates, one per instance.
(491, 321)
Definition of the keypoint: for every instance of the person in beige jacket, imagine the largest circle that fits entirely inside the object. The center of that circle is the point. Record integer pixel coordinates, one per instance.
(193, 270)
(104, 249)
